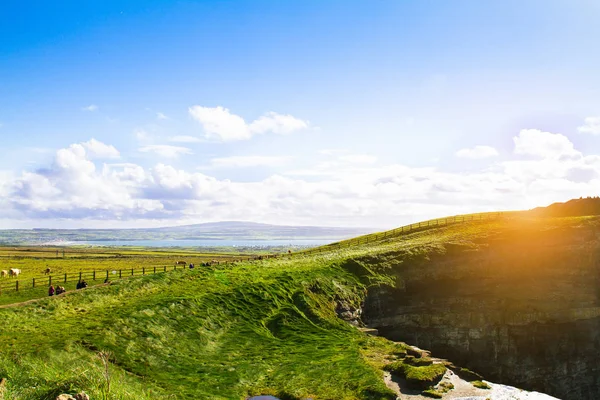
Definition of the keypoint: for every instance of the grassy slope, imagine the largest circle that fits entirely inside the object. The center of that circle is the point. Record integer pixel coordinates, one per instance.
(202, 334)
(262, 327)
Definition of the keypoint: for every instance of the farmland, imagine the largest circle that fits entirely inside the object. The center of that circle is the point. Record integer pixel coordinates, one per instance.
(68, 265)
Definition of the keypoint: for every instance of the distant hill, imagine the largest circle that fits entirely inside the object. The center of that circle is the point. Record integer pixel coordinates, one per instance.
(213, 230)
(572, 208)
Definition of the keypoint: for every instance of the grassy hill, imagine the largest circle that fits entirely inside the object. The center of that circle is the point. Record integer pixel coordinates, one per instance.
(572, 208)
(226, 332)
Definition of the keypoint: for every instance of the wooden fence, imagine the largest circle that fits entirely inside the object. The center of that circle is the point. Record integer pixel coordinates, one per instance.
(16, 284)
(403, 230)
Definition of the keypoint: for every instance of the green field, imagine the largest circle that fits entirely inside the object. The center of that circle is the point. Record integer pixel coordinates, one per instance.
(226, 331)
(94, 265)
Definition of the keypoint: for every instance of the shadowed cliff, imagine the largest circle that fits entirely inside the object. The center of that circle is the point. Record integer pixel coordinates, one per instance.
(517, 301)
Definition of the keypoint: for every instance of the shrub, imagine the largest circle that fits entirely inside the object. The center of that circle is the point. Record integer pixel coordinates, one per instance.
(418, 377)
(481, 385)
(432, 393)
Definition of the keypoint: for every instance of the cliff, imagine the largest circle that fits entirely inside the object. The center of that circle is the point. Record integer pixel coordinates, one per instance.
(516, 301)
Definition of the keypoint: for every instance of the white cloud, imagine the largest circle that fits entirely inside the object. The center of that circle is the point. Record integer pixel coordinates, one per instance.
(184, 139)
(344, 189)
(91, 108)
(220, 124)
(98, 149)
(165, 150)
(477, 152)
(160, 116)
(248, 161)
(533, 142)
(332, 152)
(142, 135)
(277, 123)
(358, 158)
(591, 125)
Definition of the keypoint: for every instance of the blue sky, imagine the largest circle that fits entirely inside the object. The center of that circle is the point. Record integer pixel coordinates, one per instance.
(303, 112)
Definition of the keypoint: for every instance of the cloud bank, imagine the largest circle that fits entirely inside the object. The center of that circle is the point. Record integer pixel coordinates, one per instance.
(82, 183)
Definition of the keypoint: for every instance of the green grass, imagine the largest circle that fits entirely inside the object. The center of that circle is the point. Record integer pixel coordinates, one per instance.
(434, 394)
(229, 331)
(32, 262)
(418, 377)
(216, 333)
(480, 385)
(439, 391)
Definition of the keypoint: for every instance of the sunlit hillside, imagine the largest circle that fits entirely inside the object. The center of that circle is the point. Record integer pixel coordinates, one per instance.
(228, 331)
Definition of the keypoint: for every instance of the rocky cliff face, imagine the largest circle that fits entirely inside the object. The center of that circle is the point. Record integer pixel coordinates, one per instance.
(521, 307)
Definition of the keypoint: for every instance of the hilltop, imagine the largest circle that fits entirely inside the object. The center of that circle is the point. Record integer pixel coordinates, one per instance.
(572, 208)
(495, 295)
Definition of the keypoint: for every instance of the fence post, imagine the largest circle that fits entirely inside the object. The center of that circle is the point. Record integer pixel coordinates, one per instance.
(107, 274)
(154, 269)
(65, 277)
(131, 271)
(50, 280)
(119, 274)
(94, 275)
(34, 282)
(143, 270)
(165, 268)
(17, 286)
(79, 276)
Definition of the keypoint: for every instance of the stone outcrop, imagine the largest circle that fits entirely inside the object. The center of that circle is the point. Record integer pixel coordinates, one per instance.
(78, 396)
(520, 308)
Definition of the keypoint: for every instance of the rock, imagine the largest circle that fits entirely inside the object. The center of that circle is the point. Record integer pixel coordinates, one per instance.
(417, 353)
(466, 374)
(65, 397)
(369, 331)
(347, 315)
(2, 387)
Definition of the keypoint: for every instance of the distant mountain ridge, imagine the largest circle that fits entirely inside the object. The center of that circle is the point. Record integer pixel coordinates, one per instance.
(211, 230)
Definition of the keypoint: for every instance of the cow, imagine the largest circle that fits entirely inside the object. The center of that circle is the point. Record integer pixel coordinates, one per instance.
(14, 272)
(47, 271)
(3, 273)
(181, 263)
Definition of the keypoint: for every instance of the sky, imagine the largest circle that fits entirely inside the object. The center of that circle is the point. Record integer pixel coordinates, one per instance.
(118, 114)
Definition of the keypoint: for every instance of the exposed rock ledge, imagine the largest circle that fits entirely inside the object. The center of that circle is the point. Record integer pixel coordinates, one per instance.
(452, 386)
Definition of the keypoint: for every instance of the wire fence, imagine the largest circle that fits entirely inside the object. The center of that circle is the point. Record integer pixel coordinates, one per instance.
(403, 230)
(15, 284)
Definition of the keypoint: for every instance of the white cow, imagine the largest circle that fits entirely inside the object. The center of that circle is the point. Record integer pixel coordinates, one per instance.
(3, 273)
(14, 272)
